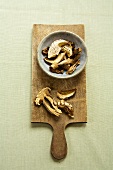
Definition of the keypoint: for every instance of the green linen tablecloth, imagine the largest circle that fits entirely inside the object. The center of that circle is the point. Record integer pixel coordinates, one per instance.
(27, 147)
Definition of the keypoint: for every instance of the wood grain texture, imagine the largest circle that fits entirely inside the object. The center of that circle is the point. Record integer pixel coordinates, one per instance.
(41, 80)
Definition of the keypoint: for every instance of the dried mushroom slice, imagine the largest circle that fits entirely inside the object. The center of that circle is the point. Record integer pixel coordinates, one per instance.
(66, 107)
(50, 109)
(66, 94)
(45, 98)
(59, 58)
(69, 60)
(56, 47)
(54, 66)
(77, 51)
(72, 44)
(68, 50)
(65, 67)
(40, 97)
(50, 99)
(77, 57)
(48, 61)
(73, 67)
(45, 51)
(56, 70)
(66, 61)
(54, 62)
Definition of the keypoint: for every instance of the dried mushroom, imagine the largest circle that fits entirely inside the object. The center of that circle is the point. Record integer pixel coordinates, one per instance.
(66, 61)
(56, 106)
(55, 47)
(45, 98)
(62, 56)
(73, 67)
(56, 70)
(77, 51)
(40, 97)
(50, 99)
(67, 107)
(57, 60)
(68, 50)
(50, 109)
(66, 67)
(45, 51)
(66, 94)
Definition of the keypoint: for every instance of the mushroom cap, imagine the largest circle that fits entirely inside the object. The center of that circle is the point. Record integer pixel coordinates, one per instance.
(40, 97)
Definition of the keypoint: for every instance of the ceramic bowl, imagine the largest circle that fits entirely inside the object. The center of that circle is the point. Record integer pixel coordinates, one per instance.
(66, 35)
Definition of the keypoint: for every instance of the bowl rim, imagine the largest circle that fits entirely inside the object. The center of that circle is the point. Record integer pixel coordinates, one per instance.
(57, 75)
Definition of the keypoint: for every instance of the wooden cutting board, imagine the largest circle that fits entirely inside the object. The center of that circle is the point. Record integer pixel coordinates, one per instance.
(41, 80)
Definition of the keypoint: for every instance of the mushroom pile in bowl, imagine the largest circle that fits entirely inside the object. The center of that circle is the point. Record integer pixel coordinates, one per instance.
(62, 54)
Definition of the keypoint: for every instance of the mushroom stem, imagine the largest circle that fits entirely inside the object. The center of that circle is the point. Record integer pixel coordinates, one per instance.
(73, 67)
(50, 99)
(66, 61)
(56, 60)
(50, 109)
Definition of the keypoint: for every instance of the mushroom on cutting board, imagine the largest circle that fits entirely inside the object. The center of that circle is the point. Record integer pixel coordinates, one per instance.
(44, 97)
(66, 94)
(50, 109)
(67, 107)
(56, 106)
(40, 97)
(50, 99)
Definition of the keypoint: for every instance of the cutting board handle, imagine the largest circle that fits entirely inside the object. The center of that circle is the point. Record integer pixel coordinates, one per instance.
(58, 144)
